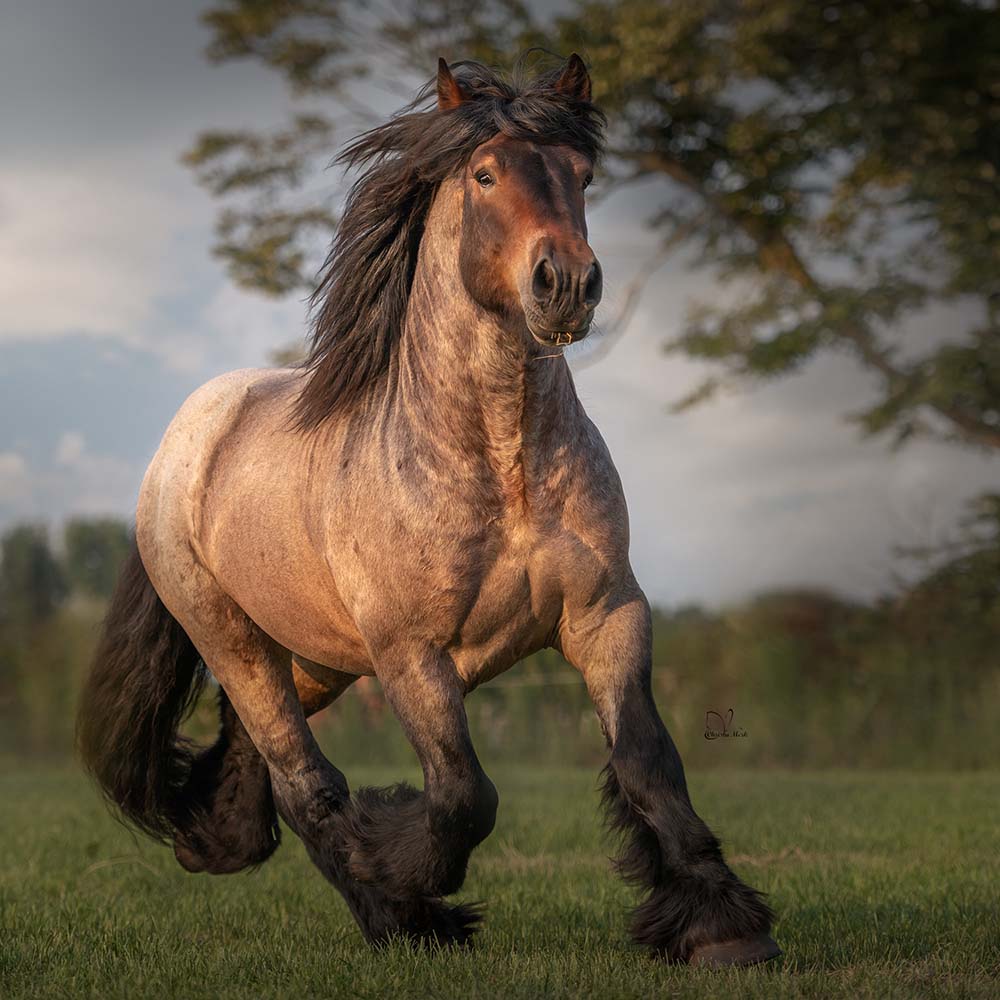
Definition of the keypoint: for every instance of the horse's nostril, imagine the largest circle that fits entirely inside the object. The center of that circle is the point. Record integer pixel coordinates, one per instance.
(594, 286)
(543, 280)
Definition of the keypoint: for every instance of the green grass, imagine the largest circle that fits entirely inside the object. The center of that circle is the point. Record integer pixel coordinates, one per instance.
(885, 885)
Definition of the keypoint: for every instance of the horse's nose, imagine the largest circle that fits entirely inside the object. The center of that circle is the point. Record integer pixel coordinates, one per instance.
(543, 282)
(565, 286)
(594, 286)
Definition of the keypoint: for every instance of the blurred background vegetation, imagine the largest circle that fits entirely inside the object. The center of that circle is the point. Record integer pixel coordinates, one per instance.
(837, 166)
(910, 681)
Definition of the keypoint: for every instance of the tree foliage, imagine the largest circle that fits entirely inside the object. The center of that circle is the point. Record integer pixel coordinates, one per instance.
(32, 583)
(95, 549)
(46, 640)
(837, 163)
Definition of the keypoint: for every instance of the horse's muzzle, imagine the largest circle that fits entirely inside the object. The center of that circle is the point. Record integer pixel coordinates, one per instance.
(563, 290)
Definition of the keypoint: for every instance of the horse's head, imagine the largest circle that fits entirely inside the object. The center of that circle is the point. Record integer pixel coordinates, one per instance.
(513, 157)
(524, 247)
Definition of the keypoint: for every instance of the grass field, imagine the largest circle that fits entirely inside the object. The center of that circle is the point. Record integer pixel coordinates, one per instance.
(886, 885)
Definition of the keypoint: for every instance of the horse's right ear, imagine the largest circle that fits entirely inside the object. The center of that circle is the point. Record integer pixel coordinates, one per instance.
(449, 90)
(575, 80)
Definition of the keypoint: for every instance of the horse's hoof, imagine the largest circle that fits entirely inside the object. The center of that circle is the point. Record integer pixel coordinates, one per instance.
(743, 951)
(190, 859)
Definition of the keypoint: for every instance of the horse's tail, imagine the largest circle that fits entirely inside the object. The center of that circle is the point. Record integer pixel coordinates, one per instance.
(145, 677)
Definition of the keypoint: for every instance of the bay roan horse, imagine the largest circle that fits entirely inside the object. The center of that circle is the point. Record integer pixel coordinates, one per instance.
(424, 501)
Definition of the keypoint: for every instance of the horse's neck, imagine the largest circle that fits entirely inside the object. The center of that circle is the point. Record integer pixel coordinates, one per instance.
(471, 386)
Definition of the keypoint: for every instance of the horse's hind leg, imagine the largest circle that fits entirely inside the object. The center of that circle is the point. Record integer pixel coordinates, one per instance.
(227, 821)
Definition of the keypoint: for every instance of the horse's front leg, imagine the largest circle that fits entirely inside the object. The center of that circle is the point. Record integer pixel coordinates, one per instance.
(412, 843)
(695, 909)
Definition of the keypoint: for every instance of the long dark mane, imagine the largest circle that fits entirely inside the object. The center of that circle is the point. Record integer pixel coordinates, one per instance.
(360, 302)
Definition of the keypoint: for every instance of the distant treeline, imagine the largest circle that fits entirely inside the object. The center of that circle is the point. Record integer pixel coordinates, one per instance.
(811, 679)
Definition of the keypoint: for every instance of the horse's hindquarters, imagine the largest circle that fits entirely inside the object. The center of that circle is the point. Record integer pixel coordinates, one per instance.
(224, 517)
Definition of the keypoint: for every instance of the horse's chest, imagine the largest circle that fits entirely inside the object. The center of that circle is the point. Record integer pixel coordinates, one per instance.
(493, 598)
(488, 590)
(511, 610)
(495, 578)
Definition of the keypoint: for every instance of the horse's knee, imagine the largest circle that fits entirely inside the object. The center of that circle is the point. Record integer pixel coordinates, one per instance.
(418, 844)
(484, 812)
(310, 799)
(464, 810)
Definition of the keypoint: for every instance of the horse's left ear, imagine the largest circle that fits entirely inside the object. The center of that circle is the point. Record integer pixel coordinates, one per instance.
(575, 80)
(449, 90)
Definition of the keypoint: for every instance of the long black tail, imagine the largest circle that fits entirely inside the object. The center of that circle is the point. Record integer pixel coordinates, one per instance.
(145, 677)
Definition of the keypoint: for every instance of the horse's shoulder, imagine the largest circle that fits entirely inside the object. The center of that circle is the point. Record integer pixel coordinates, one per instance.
(588, 539)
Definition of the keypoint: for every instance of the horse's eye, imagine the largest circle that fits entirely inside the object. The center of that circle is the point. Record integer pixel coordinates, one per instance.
(484, 178)
(587, 181)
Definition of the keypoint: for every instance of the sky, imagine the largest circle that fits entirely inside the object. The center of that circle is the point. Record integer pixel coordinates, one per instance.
(112, 311)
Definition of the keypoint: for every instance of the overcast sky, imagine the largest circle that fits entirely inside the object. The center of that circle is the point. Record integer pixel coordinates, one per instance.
(112, 311)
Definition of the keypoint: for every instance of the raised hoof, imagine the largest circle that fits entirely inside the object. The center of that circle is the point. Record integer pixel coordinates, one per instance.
(203, 852)
(743, 951)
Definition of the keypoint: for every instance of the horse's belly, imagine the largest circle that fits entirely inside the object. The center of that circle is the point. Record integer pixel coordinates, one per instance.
(322, 632)
(283, 585)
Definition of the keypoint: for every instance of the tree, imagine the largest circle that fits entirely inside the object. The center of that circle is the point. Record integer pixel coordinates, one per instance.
(959, 585)
(31, 590)
(95, 550)
(32, 585)
(838, 162)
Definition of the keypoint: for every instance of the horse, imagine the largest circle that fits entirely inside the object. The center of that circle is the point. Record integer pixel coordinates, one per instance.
(425, 501)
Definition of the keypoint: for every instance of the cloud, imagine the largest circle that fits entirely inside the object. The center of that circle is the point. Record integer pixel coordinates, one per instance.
(766, 487)
(15, 482)
(83, 251)
(71, 481)
(70, 448)
(96, 483)
(102, 231)
(234, 329)
(127, 260)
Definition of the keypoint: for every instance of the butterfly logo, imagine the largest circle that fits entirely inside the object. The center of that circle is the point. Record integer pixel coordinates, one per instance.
(718, 725)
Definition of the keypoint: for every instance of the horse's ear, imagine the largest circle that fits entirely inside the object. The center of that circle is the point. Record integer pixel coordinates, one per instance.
(449, 90)
(575, 80)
